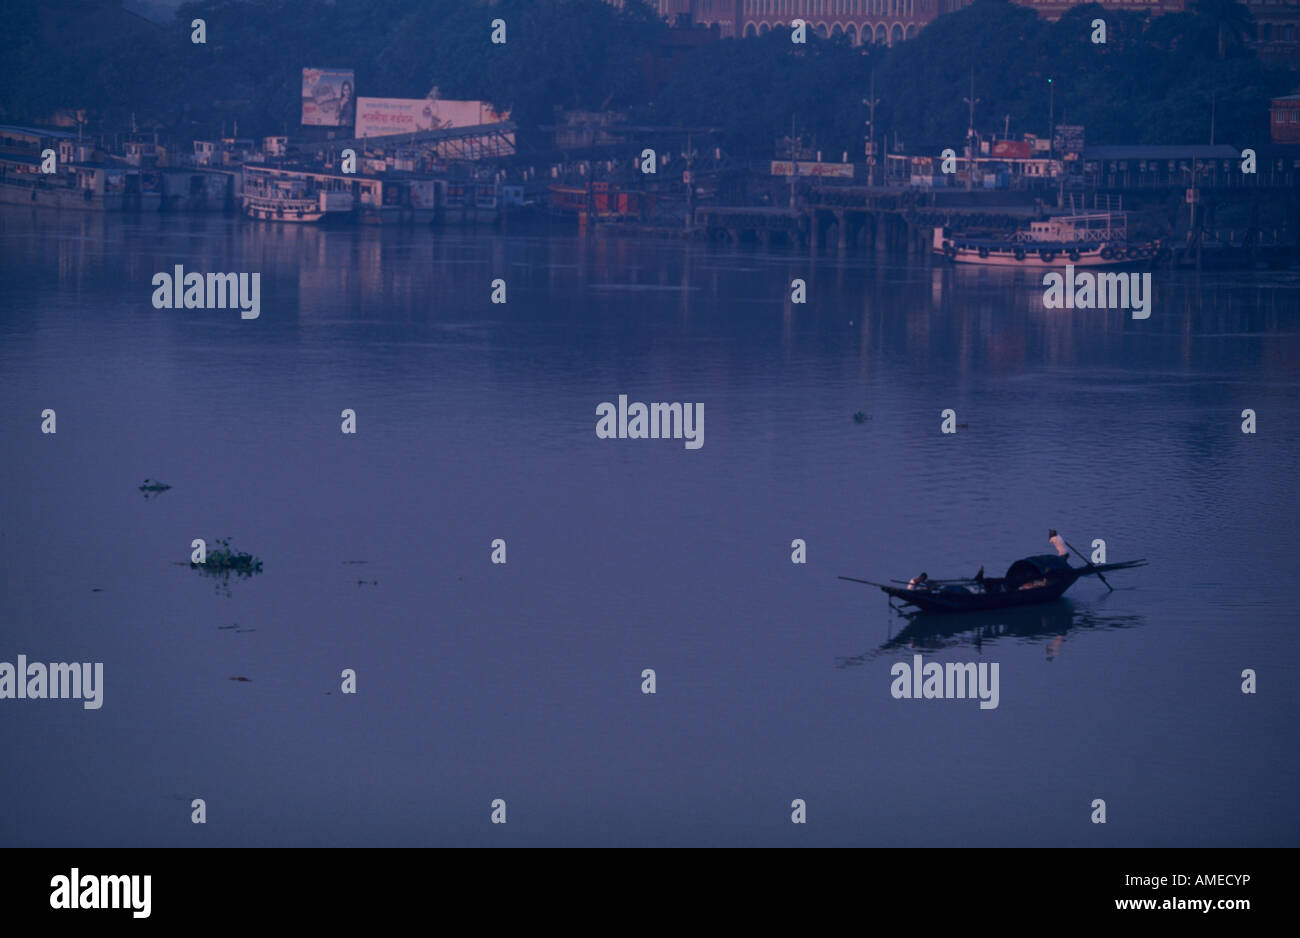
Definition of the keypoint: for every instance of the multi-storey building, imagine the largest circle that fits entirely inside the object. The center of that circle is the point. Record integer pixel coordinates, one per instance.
(1284, 119)
(1277, 30)
(863, 21)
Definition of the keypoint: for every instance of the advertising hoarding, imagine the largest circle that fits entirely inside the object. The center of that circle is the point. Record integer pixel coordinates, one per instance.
(329, 97)
(1068, 138)
(824, 170)
(1012, 149)
(379, 117)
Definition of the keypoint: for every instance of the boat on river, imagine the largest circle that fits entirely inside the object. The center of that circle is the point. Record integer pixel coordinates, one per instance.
(1084, 239)
(1030, 580)
(278, 194)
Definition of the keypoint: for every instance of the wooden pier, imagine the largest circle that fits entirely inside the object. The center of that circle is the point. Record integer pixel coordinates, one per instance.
(854, 219)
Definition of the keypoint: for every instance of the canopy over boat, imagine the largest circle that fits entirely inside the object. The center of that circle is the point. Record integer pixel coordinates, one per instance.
(1037, 579)
(1037, 567)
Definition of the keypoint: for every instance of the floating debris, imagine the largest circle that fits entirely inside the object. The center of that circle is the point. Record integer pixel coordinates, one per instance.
(356, 561)
(235, 626)
(152, 488)
(97, 590)
(860, 417)
(367, 582)
(222, 561)
(242, 631)
(245, 680)
(221, 557)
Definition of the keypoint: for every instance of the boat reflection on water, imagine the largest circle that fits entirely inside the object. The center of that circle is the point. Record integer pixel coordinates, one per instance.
(1049, 622)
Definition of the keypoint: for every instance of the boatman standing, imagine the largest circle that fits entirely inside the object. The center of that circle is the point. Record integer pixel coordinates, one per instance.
(1057, 542)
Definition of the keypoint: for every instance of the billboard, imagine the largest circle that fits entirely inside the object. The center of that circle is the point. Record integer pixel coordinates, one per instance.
(378, 117)
(1069, 138)
(1012, 149)
(329, 97)
(802, 168)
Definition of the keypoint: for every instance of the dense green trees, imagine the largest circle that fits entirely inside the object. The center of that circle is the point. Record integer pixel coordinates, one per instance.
(1231, 21)
(1152, 81)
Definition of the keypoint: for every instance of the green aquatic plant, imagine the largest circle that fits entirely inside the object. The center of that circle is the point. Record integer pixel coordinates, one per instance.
(152, 488)
(221, 561)
(221, 558)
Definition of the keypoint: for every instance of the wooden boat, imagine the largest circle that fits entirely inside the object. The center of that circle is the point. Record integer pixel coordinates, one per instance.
(1028, 581)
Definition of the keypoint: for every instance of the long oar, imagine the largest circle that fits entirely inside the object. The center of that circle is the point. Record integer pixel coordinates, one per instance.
(854, 579)
(1092, 565)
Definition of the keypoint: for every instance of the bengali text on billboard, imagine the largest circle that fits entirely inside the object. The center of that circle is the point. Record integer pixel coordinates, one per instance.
(808, 168)
(378, 117)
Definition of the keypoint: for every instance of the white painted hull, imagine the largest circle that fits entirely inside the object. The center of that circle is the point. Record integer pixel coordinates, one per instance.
(1097, 239)
(1055, 256)
(296, 212)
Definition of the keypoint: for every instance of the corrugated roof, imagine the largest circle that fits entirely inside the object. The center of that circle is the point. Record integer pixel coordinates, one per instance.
(1218, 151)
(37, 131)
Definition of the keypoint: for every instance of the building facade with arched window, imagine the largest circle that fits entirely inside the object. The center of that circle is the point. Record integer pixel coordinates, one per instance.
(863, 22)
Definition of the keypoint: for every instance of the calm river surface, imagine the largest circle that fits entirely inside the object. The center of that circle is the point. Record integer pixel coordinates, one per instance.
(477, 681)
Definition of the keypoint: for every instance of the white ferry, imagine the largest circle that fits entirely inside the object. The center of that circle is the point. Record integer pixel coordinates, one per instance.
(1084, 239)
(270, 197)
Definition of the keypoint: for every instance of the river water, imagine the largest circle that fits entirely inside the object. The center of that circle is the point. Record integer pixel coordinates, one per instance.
(522, 681)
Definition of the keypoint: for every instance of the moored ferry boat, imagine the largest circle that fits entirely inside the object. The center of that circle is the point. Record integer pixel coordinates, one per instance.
(1084, 239)
(280, 200)
(270, 196)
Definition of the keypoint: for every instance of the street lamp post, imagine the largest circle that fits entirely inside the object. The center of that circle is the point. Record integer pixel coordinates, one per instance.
(871, 103)
(970, 133)
(1051, 119)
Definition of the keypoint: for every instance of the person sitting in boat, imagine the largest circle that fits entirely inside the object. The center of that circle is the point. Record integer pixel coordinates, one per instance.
(1058, 542)
(919, 582)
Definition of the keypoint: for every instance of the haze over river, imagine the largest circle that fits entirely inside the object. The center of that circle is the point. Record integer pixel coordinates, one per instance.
(477, 681)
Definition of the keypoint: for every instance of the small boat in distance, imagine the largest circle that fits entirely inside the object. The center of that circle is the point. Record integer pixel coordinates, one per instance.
(1030, 580)
(1084, 239)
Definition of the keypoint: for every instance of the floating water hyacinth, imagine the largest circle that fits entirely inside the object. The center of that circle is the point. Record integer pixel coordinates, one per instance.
(222, 561)
(152, 488)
